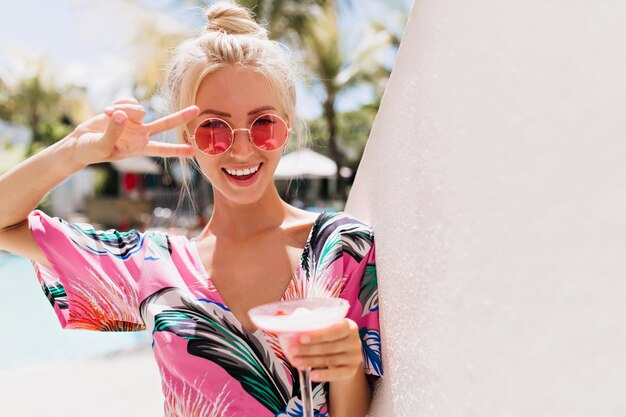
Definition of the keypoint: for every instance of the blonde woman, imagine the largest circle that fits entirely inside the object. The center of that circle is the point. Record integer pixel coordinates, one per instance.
(232, 94)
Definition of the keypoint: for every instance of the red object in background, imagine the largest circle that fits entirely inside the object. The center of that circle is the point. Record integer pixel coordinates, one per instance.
(202, 221)
(130, 181)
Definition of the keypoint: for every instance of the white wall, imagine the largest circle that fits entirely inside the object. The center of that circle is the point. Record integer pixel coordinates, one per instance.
(495, 178)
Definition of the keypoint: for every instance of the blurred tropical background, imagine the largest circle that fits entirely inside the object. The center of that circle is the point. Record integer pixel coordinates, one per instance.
(62, 62)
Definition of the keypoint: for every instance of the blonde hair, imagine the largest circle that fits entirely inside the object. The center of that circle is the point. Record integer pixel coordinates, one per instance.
(231, 37)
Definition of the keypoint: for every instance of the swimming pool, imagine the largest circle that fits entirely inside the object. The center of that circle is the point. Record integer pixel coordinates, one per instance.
(32, 335)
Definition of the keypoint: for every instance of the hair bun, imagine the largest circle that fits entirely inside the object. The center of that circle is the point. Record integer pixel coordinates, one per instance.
(233, 19)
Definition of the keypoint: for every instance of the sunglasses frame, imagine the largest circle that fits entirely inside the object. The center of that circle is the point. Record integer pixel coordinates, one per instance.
(192, 138)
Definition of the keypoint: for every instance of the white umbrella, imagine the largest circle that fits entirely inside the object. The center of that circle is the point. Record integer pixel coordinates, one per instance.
(305, 163)
(137, 165)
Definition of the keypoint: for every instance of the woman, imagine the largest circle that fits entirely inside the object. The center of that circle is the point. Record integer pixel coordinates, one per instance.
(237, 94)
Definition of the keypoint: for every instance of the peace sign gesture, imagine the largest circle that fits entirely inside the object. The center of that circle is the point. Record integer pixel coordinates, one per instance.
(120, 133)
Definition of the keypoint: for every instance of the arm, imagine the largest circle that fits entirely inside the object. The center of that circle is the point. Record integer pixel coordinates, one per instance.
(23, 187)
(350, 397)
(116, 135)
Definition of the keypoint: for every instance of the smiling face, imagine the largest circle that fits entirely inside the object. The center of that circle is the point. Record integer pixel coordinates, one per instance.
(238, 96)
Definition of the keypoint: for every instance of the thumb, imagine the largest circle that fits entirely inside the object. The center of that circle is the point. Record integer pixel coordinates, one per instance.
(115, 127)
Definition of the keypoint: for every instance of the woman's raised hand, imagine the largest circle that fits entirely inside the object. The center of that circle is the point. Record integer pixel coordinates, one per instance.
(121, 133)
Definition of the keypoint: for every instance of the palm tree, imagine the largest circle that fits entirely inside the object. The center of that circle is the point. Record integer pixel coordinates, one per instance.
(335, 71)
(33, 99)
(283, 18)
(31, 102)
(155, 36)
(5, 103)
(396, 14)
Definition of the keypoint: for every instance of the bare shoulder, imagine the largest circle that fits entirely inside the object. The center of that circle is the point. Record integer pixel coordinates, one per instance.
(300, 219)
(299, 224)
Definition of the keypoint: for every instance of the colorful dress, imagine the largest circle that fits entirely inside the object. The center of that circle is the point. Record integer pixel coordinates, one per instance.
(210, 364)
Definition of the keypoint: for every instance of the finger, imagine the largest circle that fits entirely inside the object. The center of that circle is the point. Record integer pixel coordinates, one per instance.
(333, 374)
(325, 361)
(334, 332)
(97, 123)
(126, 100)
(168, 150)
(338, 346)
(173, 120)
(115, 127)
(135, 112)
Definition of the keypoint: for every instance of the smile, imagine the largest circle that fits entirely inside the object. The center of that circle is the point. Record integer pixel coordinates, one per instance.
(243, 172)
(243, 177)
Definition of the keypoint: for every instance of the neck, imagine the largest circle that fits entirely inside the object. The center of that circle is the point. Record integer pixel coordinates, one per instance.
(240, 221)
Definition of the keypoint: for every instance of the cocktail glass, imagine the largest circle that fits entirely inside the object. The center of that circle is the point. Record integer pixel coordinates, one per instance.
(290, 319)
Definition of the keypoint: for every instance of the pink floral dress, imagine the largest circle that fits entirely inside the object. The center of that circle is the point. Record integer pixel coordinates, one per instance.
(210, 364)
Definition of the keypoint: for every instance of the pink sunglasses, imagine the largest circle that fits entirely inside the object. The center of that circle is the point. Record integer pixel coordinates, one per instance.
(214, 136)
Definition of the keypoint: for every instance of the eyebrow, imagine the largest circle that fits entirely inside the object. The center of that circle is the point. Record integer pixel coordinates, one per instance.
(222, 114)
(260, 109)
(215, 112)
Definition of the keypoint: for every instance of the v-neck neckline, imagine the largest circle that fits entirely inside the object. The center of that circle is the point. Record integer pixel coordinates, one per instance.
(198, 260)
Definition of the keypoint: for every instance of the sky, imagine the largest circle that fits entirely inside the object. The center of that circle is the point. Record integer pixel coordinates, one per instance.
(85, 42)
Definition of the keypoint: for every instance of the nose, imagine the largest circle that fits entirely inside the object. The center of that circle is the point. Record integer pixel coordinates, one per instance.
(242, 147)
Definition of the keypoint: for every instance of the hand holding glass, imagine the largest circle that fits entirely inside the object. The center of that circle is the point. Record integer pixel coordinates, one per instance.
(289, 319)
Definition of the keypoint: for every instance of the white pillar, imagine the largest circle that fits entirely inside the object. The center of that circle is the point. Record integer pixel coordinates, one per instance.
(495, 179)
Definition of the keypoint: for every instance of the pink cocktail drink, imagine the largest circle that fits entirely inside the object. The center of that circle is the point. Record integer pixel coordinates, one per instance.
(291, 318)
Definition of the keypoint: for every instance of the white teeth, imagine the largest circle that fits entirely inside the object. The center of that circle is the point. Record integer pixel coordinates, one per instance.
(242, 172)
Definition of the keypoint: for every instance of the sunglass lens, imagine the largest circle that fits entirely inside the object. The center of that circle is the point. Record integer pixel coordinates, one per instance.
(269, 132)
(213, 136)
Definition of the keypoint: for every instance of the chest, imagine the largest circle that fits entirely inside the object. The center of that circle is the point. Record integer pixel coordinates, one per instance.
(248, 274)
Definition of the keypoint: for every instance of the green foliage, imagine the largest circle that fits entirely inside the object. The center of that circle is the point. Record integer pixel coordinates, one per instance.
(31, 101)
(45, 203)
(283, 18)
(50, 131)
(39, 106)
(106, 181)
(353, 129)
(9, 156)
(5, 108)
